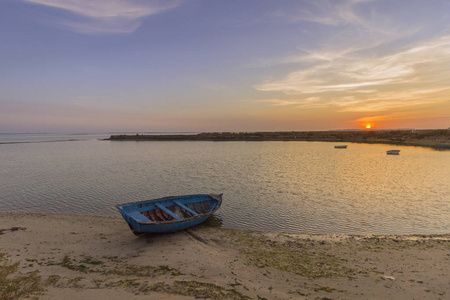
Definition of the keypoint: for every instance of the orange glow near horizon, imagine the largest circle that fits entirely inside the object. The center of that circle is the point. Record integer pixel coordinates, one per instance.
(368, 126)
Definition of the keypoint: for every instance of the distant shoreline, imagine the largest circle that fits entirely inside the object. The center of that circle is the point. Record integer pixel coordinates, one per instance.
(33, 142)
(434, 138)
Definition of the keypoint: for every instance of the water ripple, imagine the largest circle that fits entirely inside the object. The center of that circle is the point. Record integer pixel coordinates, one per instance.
(296, 187)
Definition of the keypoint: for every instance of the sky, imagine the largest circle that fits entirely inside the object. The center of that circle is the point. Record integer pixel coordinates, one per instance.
(79, 66)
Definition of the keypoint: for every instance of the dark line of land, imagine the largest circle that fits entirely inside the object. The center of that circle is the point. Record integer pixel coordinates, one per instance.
(436, 138)
(34, 142)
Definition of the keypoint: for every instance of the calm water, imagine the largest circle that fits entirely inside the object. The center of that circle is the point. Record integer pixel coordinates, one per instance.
(299, 187)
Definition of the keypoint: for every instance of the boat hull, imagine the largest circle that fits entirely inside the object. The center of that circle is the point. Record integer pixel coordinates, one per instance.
(393, 152)
(139, 228)
(169, 214)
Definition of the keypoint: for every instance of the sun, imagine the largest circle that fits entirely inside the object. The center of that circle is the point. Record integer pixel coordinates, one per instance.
(368, 126)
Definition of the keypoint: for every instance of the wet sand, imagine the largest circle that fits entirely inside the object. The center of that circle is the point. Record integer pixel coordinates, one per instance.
(89, 257)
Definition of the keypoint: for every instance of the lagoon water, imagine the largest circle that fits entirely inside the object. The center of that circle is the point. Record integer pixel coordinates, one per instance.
(296, 187)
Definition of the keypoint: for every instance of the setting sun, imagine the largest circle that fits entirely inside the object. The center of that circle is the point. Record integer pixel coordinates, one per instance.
(368, 126)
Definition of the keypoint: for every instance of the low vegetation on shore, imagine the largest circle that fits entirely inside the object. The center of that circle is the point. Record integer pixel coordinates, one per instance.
(87, 257)
(17, 285)
(439, 138)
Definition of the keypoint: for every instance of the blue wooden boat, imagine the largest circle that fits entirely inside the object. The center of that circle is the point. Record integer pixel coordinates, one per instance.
(170, 213)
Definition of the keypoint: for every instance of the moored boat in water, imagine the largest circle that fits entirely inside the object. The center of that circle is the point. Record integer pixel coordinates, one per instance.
(170, 213)
(393, 152)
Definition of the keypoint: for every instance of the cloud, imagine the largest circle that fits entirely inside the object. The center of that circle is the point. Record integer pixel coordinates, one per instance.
(410, 115)
(331, 13)
(309, 102)
(359, 81)
(383, 101)
(112, 16)
(367, 59)
(367, 100)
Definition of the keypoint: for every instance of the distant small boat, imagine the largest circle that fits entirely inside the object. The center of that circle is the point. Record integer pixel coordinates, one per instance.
(340, 147)
(170, 213)
(393, 152)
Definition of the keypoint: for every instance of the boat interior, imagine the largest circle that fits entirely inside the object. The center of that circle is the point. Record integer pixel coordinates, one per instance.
(177, 211)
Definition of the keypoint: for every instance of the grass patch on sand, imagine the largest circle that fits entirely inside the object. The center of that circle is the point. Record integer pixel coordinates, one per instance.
(145, 271)
(67, 263)
(302, 257)
(52, 280)
(198, 290)
(90, 265)
(14, 285)
(381, 243)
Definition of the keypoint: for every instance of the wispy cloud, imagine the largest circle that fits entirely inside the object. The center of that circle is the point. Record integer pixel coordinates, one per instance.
(323, 12)
(112, 16)
(362, 82)
(286, 102)
(329, 12)
(410, 115)
(347, 29)
(368, 60)
(349, 71)
(392, 100)
(335, 13)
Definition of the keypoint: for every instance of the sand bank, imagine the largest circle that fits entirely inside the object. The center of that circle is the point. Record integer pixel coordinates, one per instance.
(88, 257)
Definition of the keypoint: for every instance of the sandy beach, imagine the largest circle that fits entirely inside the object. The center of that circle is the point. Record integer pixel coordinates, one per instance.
(89, 257)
